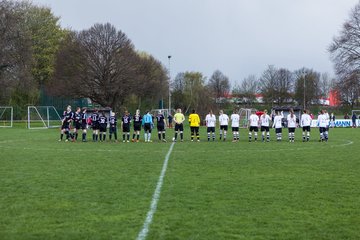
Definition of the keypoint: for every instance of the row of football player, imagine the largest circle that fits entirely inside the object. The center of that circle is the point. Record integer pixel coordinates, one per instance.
(99, 124)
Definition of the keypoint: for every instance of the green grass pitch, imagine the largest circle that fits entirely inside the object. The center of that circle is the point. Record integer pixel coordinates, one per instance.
(211, 190)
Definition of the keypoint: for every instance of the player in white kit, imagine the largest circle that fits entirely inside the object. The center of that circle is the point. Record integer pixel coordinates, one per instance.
(235, 124)
(277, 124)
(291, 120)
(253, 126)
(305, 123)
(224, 122)
(265, 124)
(210, 120)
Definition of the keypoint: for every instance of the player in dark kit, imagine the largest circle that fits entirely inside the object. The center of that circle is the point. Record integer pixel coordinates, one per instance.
(77, 122)
(83, 124)
(95, 124)
(161, 123)
(66, 122)
(137, 126)
(125, 123)
(113, 126)
(102, 126)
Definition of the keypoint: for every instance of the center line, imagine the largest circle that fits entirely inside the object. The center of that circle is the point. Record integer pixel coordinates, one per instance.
(155, 199)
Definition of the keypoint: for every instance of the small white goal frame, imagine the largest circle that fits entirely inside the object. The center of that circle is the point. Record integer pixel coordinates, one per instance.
(44, 121)
(2, 112)
(244, 114)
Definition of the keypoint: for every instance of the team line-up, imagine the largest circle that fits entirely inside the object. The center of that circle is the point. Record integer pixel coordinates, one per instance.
(98, 122)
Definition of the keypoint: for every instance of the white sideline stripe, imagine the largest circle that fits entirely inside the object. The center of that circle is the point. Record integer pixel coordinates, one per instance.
(145, 229)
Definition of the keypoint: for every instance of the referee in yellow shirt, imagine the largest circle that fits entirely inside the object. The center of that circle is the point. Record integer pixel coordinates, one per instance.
(194, 121)
(179, 118)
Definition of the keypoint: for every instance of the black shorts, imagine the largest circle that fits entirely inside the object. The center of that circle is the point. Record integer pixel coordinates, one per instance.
(65, 126)
(137, 126)
(322, 129)
(291, 130)
(83, 126)
(264, 129)
(224, 127)
(235, 129)
(126, 128)
(210, 129)
(278, 130)
(102, 128)
(253, 128)
(147, 127)
(112, 130)
(194, 130)
(179, 127)
(161, 127)
(77, 125)
(95, 126)
(306, 128)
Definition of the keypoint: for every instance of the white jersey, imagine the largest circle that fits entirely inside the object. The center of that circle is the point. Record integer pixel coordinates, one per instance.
(265, 120)
(254, 120)
(277, 121)
(327, 117)
(235, 120)
(210, 120)
(305, 120)
(291, 121)
(322, 121)
(223, 120)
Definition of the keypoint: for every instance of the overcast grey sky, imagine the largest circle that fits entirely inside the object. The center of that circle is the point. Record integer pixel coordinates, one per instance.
(237, 37)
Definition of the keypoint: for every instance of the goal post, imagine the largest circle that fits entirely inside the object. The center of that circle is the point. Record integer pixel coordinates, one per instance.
(43, 117)
(6, 116)
(244, 116)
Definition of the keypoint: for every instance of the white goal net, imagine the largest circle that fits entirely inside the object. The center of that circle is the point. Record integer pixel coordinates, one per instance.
(41, 117)
(244, 116)
(6, 116)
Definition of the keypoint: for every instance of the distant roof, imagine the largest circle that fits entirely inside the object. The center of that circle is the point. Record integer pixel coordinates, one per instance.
(287, 108)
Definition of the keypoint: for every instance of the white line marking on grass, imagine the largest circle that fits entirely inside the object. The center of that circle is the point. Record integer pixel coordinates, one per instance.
(155, 199)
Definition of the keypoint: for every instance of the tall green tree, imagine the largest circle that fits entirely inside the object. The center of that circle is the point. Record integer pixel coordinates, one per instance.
(17, 86)
(190, 92)
(46, 36)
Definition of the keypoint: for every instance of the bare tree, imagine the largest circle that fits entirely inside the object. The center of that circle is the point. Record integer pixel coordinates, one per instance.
(247, 90)
(268, 84)
(219, 84)
(311, 92)
(326, 85)
(284, 86)
(345, 54)
(101, 61)
(345, 48)
(349, 89)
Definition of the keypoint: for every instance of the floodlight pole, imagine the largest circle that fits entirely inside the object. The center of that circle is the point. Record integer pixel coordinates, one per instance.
(169, 57)
(304, 76)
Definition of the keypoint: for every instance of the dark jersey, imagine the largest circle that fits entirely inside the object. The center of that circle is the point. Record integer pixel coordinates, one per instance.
(83, 118)
(137, 119)
(126, 120)
(77, 117)
(113, 121)
(68, 116)
(95, 118)
(103, 121)
(71, 115)
(160, 119)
